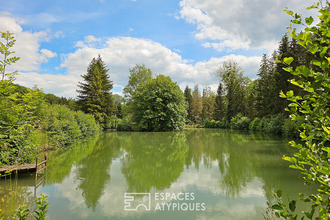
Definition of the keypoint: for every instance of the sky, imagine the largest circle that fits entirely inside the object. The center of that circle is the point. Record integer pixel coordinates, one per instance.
(187, 40)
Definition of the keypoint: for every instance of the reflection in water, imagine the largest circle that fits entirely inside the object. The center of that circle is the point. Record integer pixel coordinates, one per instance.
(154, 160)
(232, 172)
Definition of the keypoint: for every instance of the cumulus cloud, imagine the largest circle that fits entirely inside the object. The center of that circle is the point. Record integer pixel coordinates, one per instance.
(27, 45)
(122, 53)
(119, 54)
(239, 24)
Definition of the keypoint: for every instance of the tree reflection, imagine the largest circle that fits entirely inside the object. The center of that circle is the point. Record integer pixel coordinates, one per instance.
(154, 160)
(93, 170)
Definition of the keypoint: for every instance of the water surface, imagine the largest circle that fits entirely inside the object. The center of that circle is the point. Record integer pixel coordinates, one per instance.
(206, 174)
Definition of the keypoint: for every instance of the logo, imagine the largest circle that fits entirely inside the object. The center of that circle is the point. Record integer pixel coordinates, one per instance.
(163, 201)
(135, 200)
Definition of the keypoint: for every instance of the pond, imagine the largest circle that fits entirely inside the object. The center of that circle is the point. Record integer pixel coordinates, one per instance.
(193, 174)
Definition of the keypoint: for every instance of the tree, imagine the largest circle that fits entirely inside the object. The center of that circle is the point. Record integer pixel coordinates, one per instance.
(95, 92)
(188, 97)
(159, 105)
(138, 75)
(219, 104)
(9, 42)
(312, 158)
(196, 105)
(208, 100)
(235, 84)
(265, 87)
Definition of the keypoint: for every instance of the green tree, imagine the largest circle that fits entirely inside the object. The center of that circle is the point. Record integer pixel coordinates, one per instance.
(159, 105)
(219, 104)
(196, 105)
(265, 87)
(188, 97)
(5, 46)
(312, 158)
(138, 75)
(208, 100)
(95, 95)
(235, 85)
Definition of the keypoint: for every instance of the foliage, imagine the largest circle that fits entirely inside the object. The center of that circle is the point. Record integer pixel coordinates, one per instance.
(23, 212)
(291, 128)
(196, 106)
(275, 125)
(19, 114)
(159, 105)
(312, 158)
(95, 92)
(208, 100)
(138, 75)
(189, 99)
(64, 126)
(254, 124)
(235, 88)
(240, 122)
(5, 46)
(219, 104)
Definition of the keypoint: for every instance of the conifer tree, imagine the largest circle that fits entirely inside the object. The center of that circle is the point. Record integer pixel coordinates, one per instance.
(95, 92)
(219, 104)
(188, 97)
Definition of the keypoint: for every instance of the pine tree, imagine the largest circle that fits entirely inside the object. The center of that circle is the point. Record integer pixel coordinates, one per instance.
(219, 105)
(188, 97)
(95, 92)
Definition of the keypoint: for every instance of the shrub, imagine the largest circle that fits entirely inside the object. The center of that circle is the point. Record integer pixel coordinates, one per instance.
(240, 122)
(275, 125)
(262, 124)
(254, 124)
(125, 124)
(291, 128)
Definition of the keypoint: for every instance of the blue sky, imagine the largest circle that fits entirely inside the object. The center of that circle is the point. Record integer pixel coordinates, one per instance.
(187, 40)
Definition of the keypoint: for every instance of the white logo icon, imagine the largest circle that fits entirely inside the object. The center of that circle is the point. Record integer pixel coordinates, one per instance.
(135, 200)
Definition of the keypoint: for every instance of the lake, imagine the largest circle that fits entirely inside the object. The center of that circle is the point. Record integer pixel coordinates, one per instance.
(193, 174)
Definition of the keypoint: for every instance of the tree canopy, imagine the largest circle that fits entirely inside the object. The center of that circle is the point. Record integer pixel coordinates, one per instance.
(94, 94)
(159, 105)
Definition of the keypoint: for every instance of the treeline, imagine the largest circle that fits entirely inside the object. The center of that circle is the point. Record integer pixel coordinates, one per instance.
(29, 124)
(242, 103)
(31, 120)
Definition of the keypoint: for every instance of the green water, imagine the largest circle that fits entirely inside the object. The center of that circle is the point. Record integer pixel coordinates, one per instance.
(206, 174)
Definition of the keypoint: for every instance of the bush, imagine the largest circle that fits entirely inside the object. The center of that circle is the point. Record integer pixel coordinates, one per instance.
(125, 124)
(291, 128)
(87, 124)
(275, 125)
(254, 124)
(240, 122)
(262, 124)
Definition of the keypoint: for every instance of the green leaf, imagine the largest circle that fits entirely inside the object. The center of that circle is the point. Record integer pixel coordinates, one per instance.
(292, 205)
(279, 193)
(277, 207)
(309, 20)
(288, 60)
(316, 62)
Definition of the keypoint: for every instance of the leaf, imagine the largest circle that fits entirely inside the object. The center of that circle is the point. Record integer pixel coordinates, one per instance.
(292, 205)
(316, 62)
(277, 207)
(288, 60)
(309, 20)
(279, 193)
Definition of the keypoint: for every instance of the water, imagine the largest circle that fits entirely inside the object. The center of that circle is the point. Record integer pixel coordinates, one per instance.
(205, 174)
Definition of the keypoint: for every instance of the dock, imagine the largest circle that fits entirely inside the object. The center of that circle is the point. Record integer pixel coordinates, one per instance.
(25, 168)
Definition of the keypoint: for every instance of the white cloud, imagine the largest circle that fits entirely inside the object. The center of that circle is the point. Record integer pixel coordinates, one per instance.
(27, 45)
(122, 53)
(239, 24)
(119, 54)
